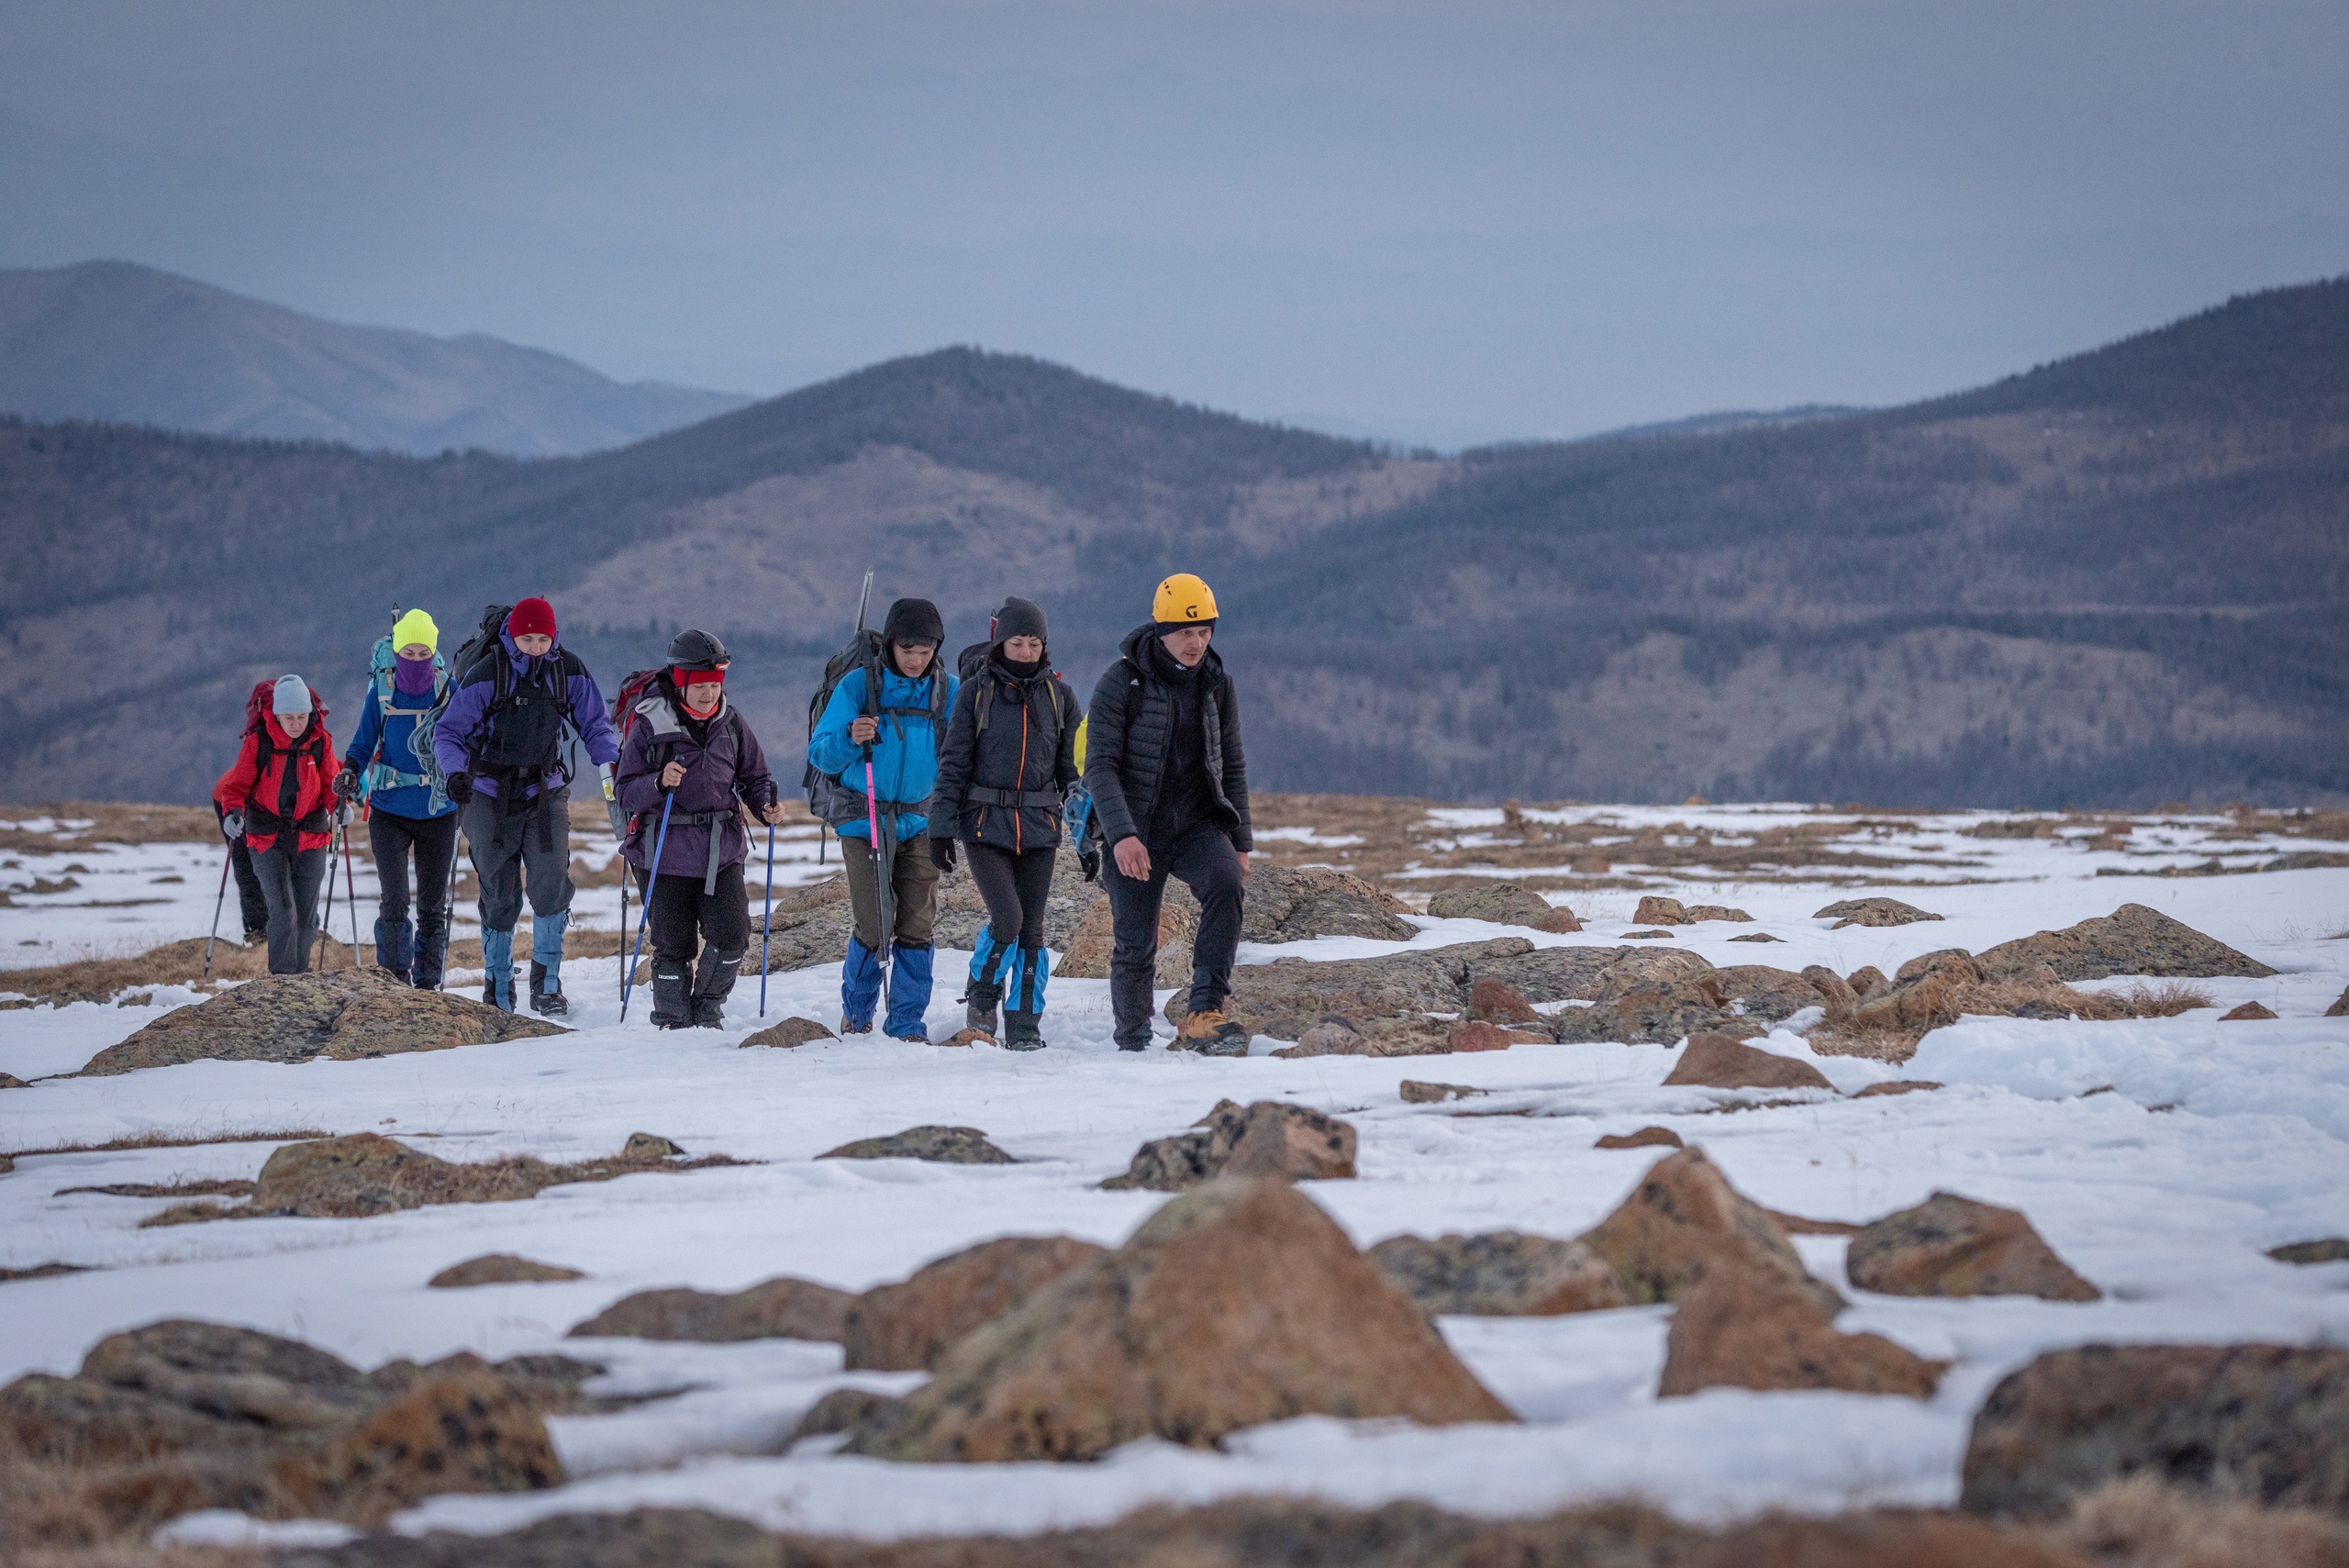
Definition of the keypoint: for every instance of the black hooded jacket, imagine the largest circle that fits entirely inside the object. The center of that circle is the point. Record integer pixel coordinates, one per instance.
(1130, 745)
(1002, 783)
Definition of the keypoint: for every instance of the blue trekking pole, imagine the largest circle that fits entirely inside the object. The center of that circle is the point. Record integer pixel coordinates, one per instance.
(766, 918)
(660, 842)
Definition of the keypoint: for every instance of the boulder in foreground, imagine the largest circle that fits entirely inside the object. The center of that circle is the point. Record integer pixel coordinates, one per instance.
(343, 1015)
(1270, 1138)
(1682, 1217)
(1719, 1062)
(1232, 1305)
(908, 1325)
(782, 1309)
(1741, 1328)
(2268, 1424)
(1950, 1245)
(2132, 939)
(1502, 1273)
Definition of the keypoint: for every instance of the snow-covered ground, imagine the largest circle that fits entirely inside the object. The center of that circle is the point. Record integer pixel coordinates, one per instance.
(2218, 1141)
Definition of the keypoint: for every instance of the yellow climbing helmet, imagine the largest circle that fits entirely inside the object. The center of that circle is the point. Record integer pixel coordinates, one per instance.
(1181, 598)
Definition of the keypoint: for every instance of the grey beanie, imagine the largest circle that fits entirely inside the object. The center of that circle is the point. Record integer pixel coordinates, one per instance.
(290, 695)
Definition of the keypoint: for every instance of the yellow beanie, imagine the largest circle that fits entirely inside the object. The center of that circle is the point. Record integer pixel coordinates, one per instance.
(414, 627)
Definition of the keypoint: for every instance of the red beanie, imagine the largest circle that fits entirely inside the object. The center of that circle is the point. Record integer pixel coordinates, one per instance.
(531, 617)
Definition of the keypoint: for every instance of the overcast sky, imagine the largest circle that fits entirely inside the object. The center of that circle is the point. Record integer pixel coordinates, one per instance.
(1444, 222)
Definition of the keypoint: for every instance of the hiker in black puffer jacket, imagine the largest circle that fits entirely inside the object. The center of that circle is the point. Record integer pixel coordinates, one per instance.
(1170, 785)
(1009, 759)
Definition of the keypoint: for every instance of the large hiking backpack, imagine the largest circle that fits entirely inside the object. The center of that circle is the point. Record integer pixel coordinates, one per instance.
(639, 684)
(486, 645)
(383, 774)
(313, 741)
(830, 800)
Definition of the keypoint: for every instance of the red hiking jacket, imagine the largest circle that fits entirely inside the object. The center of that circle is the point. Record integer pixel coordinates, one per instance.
(258, 789)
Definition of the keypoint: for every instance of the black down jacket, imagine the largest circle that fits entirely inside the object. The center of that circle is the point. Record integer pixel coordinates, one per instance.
(1001, 783)
(1127, 742)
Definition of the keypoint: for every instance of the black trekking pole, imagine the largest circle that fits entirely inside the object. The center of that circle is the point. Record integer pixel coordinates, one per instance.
(326, 924)
(651, 871)
(449, 911)
(218, 900)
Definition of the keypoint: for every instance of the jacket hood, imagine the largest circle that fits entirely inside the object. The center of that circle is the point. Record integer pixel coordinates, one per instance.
(1136, 648)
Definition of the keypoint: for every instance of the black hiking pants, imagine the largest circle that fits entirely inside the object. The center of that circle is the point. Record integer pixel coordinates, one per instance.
(432, 840)
(289, 882)
(509, 845)
(1201, 857)
(682, 919)
(1015, 888)
(251, 901)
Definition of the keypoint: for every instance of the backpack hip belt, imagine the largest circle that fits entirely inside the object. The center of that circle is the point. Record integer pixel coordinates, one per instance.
(1042, 799)
(715, 821)
(270, 822)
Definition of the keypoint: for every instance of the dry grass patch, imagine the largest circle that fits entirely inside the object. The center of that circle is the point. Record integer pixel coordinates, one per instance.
(107, 822)
(174, 963)
(158, 1138)
(2140, 1523)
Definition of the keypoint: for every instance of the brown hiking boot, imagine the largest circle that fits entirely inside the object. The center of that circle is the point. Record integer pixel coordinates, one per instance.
(1210, 1033)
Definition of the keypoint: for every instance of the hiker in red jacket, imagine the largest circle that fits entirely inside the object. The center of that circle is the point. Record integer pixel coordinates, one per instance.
(279, 798)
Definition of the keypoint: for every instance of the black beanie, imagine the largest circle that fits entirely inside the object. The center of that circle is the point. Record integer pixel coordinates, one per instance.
(912, 621)
(1020, 617)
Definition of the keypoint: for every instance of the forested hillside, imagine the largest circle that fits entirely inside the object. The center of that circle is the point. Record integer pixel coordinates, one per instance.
(2120, 578)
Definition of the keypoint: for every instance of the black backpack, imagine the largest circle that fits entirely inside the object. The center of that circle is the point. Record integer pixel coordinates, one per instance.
(486, 644)
(829, 799)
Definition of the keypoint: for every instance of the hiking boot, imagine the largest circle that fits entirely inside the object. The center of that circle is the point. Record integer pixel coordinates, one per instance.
(854, 1026)
(980, 1005)
(1023, 1031)
(920, 1036)
(671, 1009)
(708, 1014)
(547, 1003)
(1210, 1034)
(256, 936)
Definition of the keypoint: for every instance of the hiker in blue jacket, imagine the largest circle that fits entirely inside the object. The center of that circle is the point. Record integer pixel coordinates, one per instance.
(500, 742)
(899, 734)
(391, 767)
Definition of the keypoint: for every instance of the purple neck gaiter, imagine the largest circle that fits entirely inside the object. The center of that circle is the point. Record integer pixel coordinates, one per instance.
(412, 677)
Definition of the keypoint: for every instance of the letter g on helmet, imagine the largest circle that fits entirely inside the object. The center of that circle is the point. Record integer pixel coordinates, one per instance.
(1182, 599)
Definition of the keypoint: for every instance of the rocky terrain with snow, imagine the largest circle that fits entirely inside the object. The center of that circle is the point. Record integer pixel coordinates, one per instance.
(1711, 1184)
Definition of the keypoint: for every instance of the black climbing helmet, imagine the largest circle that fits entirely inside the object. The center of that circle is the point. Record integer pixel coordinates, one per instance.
(695, 651)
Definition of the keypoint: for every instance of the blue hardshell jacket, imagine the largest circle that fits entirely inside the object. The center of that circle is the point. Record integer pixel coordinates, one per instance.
(403, 748)
(905, 754)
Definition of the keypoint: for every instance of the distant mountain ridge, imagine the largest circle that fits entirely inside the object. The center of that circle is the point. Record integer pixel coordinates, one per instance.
(115, 341)
(2120, 579)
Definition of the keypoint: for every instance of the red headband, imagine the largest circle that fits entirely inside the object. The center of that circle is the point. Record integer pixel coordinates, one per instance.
(684, 677)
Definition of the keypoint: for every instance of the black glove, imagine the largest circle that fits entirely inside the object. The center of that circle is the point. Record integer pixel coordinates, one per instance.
(942, 853)
(346, 784)
(460, 787)
(233, 824)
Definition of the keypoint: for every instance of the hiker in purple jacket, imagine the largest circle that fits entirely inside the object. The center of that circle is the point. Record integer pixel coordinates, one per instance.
(499, 744)
(687, 741)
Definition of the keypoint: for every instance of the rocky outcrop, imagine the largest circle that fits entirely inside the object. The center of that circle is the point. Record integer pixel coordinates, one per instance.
(1472, 1035)
(1267, 1138)
(1682, 1218)
(790, 1033)
(1721, 1062)
(2339, 1009)
(1090, 944)
(2247, 1013)
(343, 1015)
(1871, 912)
(1885, 1020)
(940, 1145)
(498, 1268)
(908, 1325)
(1503, 904)
(782, 1309)
(1662, 1014)
(1502, 1273)
(1950, 1245)
(180, 1415)
(842, 1410)
(1236, 1305)
(2268, 1424)
(1411, 1034)
(1657, 910)
(1646, 1137)
(1740, 1328)
(1285, 904)
(1493, 1000)
(2132, 939)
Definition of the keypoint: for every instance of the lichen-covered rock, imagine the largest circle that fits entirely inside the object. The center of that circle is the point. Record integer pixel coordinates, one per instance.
(1471, 1035)
(2247, 1012)
(789, 1033)
(1236, 1305)
(1287, 997)
(366, 1173)
(1683, 1217)
(1896, 1086)
(2339, 1009)
(1721, 1062)
(1661, 1015)
(842, 1410)
(1646, 1137)
(1417, 1092)
(940, 1145)
(1502, 904)
(2132, 939)
(1294, 904)
(498, 1268)
(2268, 1424)
(1502, 1273)
(343, 1015)
(784, 1309)
(1269, 1138)
(908, 1325)
(1743, 1328)
(1493, 1000)
(1871, 912)
(1657, 910)
(466, 1433)
(1950, 1245)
